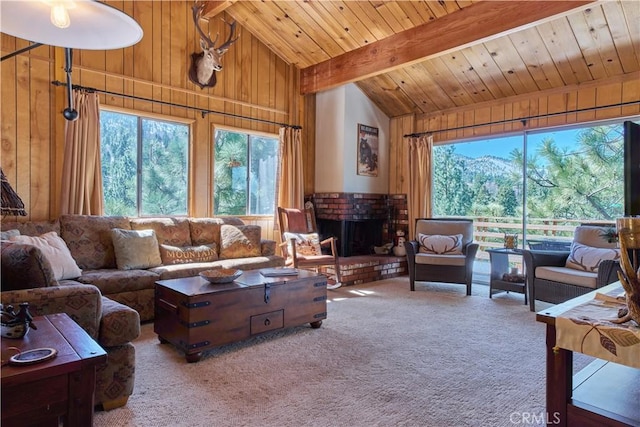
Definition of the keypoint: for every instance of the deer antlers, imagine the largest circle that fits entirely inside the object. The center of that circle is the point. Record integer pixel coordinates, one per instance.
(198, 8)
(205, 64)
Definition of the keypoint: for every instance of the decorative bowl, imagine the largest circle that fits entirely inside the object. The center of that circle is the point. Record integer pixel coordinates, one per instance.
(220, 275)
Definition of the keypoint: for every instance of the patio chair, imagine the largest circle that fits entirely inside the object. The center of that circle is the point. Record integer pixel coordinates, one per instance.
(301, 245)
(442, 250)
(555, 276)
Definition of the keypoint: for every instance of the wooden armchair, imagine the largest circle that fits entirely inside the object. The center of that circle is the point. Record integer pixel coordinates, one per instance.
(442, 251)
(301, 245)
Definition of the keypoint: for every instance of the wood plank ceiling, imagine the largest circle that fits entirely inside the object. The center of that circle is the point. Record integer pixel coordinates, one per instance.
(592, 42)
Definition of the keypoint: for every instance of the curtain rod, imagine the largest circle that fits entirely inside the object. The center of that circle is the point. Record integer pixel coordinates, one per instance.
(171, 104)
(521, 119)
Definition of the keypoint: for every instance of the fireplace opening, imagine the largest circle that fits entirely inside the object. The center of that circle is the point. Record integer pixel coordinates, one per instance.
(355, 237)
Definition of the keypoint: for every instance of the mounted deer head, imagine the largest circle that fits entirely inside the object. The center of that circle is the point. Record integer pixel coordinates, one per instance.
(205, 64)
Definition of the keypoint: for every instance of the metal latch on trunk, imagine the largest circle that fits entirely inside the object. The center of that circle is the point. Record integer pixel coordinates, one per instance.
(267, 292)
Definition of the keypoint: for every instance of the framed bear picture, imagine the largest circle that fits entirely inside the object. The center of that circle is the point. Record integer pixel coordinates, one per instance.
(367, 150)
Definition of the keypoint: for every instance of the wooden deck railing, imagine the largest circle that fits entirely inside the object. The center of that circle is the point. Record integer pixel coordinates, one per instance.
(489, 231)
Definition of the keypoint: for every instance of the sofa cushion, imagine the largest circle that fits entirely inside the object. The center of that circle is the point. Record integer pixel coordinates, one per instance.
(588, 258)
(8, 234)
(89, 239)
(32, 228)
(56, 251)
(188, 254)
(112, 281)
(567, 275)
(135, 249)
(239, 241)
(24, 266)
(169, 231)
(440, 244)
(207, 230)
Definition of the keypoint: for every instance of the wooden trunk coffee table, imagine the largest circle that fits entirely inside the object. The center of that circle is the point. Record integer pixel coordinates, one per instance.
(194, 315)
(59, 389)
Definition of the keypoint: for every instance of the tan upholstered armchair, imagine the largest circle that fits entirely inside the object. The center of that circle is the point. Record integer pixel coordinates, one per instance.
(557, 276)
(442, 250)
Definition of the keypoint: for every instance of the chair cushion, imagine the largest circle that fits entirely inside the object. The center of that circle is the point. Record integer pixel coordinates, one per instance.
(588, 258)
(135, 249)
(591, 235)
(567, 275)
(181, 255)
(56, 251)
(307, 244)
(435, 259)
(440, 244)
(446, 228)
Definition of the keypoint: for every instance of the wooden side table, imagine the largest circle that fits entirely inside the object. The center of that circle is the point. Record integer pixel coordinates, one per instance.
(499, 259)
(603, 394)
(57, 390)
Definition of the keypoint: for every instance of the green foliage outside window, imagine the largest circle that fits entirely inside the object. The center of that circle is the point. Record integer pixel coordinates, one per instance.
(244, 174)
(144, 165)
(576, 180)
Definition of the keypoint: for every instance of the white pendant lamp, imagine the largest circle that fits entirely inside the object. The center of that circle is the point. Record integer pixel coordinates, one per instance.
(77, 24)
(71, 24)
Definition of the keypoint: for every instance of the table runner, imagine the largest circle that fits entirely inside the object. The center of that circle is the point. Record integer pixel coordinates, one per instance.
(587, 329)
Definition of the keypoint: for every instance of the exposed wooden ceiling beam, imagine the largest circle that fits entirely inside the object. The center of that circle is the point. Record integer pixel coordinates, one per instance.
(213, 8)
(474, 24)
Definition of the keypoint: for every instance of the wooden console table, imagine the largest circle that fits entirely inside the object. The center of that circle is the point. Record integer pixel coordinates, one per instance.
(602, 394)
(57, 390)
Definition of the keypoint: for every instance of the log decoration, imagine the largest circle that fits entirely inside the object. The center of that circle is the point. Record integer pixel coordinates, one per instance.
(11, 203)
(629, 239)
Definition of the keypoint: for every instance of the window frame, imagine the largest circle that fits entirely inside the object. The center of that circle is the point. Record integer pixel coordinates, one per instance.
(190, 153)
(249, 132)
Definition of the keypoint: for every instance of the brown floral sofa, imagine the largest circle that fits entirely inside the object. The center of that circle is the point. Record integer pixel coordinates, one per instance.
(110, 302)
(90, 242)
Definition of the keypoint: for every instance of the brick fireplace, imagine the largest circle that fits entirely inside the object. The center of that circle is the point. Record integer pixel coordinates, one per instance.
(360, 221)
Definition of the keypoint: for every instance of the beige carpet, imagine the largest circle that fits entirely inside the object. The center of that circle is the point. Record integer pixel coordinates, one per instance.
(384, 357)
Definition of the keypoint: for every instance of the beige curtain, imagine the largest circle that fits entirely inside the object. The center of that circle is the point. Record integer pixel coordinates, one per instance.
(418, 199)
(82, 175)
(290, 192)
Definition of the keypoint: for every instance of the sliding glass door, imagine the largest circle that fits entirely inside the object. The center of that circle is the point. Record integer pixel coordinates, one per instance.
(571, 175)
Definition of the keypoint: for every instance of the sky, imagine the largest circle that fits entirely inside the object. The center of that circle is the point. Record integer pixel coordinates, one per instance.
(501, 147)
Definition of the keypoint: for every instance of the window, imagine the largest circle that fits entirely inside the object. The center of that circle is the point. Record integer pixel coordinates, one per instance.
(144, 165)
(244, 173)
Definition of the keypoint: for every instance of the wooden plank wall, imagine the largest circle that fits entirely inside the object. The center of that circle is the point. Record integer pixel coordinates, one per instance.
(586, 96)
(254, 82)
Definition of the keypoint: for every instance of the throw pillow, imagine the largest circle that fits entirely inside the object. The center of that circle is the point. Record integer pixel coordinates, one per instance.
(588, 258)
(57, 253)
(239, 241)
(306, 244)
(182, 255)
(135, 249)
(440, 245)
(7, 235)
